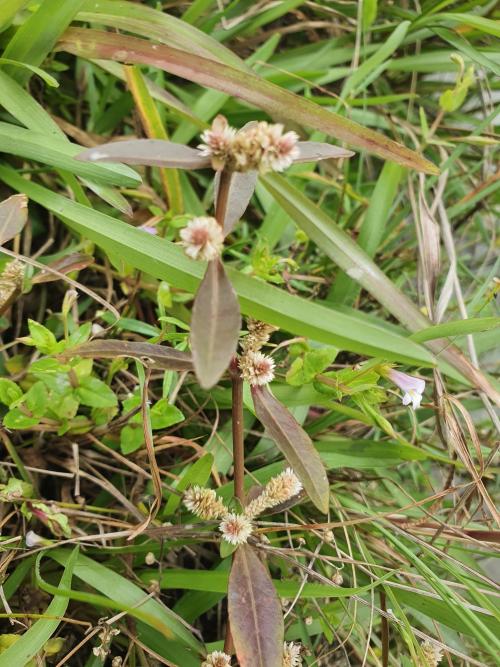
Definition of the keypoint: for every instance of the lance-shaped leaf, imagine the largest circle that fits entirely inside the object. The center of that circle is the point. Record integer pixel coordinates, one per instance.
(215, 325)
(313, 151)
(247, 86)
(255, 614)
(73, 262)
(154, 356)
(151, 152)
(13, 217)
(241, 189)
(295, 445)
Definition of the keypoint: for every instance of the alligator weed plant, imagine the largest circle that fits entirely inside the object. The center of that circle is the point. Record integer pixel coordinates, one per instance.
(247, 395)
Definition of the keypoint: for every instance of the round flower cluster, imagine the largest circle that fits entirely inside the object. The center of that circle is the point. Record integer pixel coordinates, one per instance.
(202, 238)
(237, 528)
(217, 659)
(257, 368)
(258, 147)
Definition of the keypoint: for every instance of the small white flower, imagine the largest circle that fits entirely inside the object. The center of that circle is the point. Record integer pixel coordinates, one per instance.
(292, 655)
(218, 142)
(257, 368)
(412, 387)
(33, 540)
(236, 528)
(217, 659)
(202, 238)
(280, 150)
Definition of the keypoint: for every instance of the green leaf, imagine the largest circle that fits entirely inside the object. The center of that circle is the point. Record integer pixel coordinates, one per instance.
(34, 40)
(369, 13)
(10, 392)
(131, 438)
(456, 328)
(163, 415)
(166, 261)
(251, 88)
(37, 399)
(16, 419)
(95, 393)
(33, 640)
(41, 338)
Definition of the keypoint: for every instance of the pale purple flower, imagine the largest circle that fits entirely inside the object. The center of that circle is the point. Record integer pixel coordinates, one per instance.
(150, 230)
(257, 368)
(412, 387)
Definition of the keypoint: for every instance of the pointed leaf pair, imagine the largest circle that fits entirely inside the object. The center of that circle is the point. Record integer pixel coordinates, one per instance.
(255, 614)
(295, 445)
(215, 325)
(13, 217)
(150, 152)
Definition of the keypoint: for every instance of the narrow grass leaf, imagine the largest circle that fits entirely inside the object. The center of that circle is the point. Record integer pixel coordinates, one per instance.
(295, 445)
(215, 325)
(165, 260)
(456, 328)
(251, 88)
(153, 356)
(33, 640)
(255, 612)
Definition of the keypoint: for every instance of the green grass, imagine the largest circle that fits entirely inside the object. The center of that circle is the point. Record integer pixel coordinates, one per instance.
(384, 260)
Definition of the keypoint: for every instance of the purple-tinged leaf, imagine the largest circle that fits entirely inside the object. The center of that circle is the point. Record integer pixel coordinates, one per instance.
(74, 262)
(215, 325)
(244, 85)
(241, 189)
(13, 217)
(313, 151)
(154, 356)
(295, 445)
(151, 152)
(255, 614)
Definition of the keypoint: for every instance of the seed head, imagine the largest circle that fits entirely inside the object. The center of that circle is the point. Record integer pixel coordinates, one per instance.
(236, 528)
(217, 659)
(278, 490)
(202, 238)
(292, 655)
(257, 368)
(258, 335)
(432, 654)
(204, 503)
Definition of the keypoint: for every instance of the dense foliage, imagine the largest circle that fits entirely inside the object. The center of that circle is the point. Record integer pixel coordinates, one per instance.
(248, 333)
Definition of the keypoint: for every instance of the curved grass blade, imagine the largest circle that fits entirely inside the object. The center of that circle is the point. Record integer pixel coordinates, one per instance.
(295, 445)
(153, 356)
(215, 325)
(13, 217)
(255, 612)
(167, 261)
(33, 640)
(251, 88)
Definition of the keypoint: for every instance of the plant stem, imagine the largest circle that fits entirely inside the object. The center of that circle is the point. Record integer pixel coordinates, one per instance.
(238, 444)
(222, 197)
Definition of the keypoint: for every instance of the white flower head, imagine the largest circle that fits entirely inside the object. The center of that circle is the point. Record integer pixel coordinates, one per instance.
(292, 655)
(278, 490)
(204, 503)
(432, 654)
(412, 387)
(33, 540)
(202, 238)
(236, 528)
(280, 150)
(218, 142)
(217, 659)
(257, 368)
